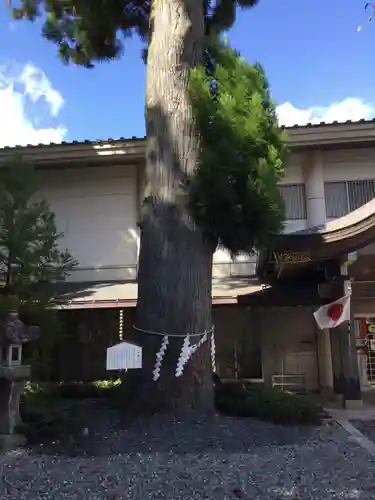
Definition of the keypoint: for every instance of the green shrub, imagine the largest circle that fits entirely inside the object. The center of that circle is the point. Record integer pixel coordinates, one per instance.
(83, 390)
(47, 416)
(76, 390)
(264, 403)
(56, 410)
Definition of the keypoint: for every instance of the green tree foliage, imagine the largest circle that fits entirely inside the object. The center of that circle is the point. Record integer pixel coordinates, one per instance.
(90, 31)
(31, 261)
(234, 195)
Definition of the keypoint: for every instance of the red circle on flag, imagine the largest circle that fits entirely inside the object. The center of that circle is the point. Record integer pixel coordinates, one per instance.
(335, 311)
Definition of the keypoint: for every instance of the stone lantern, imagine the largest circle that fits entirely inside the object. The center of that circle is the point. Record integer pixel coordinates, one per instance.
(11, 355)
(13, 374)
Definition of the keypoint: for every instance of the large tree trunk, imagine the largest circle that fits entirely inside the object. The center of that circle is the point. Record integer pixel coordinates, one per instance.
(175, 262)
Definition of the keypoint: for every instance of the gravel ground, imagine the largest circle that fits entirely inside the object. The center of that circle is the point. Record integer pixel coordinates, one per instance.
(367, 427)
(222, 458)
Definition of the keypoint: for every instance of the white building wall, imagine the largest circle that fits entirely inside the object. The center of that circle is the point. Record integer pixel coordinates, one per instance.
(293, 173)
(95, 208)
(348, 165)
(318, 167)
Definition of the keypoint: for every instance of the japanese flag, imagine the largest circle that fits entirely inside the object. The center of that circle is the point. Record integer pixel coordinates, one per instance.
(333, 314)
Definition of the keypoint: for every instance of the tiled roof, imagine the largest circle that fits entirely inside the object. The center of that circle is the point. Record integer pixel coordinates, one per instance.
(133, 138)
(94, 142)
(326, 124)
(77, 143)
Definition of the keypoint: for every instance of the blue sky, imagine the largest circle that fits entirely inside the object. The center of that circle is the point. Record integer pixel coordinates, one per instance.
(318, 64)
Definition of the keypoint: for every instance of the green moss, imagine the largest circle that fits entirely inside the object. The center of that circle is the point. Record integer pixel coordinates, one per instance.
(269, 404)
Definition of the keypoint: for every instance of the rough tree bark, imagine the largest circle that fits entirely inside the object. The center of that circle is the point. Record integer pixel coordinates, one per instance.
(175, 262)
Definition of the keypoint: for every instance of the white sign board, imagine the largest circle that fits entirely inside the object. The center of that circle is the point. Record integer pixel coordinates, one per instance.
(124, 356)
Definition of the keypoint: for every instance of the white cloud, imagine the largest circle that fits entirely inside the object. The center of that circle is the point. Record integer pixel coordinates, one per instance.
(17, 88)
(37, 86)
(351, 108)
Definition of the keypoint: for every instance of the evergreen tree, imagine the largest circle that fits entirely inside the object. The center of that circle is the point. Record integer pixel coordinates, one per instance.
(30, 260)
(234, 195)
(175, 261)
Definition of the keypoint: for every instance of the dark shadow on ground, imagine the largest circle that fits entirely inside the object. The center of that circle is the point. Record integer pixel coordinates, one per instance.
(109, 433)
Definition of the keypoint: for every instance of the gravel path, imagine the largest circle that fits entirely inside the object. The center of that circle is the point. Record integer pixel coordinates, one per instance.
(367, 427)
(224, 458)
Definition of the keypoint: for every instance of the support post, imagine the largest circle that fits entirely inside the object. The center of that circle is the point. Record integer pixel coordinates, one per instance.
(325, 363)
(350, 383)
(314, 185)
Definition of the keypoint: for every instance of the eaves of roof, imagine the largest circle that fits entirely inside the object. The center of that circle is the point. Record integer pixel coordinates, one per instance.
(334, 239)
(132, 150)
(343, 235)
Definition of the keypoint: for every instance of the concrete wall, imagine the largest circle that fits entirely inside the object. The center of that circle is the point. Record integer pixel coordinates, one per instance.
(348, 165)
(96, 210)
(293, 173)
(313, 168)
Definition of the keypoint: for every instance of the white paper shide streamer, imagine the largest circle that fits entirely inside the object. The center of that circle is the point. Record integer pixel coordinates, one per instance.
(159, 358)
(213, 352)
(184, 356)
(187, 351)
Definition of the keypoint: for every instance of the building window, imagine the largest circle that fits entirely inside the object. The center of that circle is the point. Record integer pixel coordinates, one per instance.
(294, 201)
(346, 196)
(336, 198)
